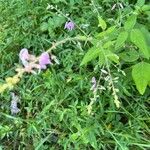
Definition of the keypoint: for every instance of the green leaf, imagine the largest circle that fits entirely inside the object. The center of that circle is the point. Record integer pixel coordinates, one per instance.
(129, 56)
(146, 34)
(90, 55)
(141, 76)
(138, 39)
(113, 57)
(140, 3)
(106, 32)
(125, 90)
(92, 140)
(121, 39)
(59, 20)
(129, 24)
(44, 26)
(55, 21)
(108, 44)
(101, 58)
(102, 23)
(146, 8)
(74, 136)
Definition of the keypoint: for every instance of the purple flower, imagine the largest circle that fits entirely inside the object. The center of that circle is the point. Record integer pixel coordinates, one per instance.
(69, 25)
(44, 60)
(24, 56)
(14, 108)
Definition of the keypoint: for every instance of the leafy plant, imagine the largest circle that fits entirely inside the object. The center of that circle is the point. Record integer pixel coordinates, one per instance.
(72, 105)
(123, 42)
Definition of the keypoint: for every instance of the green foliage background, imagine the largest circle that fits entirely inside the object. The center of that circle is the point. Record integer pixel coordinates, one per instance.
(54, 103)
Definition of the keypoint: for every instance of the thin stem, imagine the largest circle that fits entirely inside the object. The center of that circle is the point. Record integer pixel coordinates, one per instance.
(60, 12)
(21, 70)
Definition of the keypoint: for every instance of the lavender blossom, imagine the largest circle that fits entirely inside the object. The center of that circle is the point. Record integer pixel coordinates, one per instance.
(44, 60)
(30, 61)
(69, 25)
(13, 107)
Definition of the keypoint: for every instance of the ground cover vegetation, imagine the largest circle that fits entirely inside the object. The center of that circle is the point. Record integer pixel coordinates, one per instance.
(74, 74)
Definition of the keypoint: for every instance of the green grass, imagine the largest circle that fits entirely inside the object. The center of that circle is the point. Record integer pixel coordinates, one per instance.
(54, 103)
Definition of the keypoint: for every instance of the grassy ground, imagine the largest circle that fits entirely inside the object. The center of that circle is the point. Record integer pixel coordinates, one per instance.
(54, 103)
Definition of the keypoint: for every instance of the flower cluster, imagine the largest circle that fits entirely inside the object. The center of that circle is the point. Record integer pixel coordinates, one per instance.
(31, 62)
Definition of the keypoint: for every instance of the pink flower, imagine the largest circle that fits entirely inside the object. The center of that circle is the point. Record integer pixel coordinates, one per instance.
(30, 61)
(24, 56)
(44, 60)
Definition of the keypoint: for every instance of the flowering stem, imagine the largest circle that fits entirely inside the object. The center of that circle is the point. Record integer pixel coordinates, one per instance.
(81, 38)
(54, 45)
(11, 81)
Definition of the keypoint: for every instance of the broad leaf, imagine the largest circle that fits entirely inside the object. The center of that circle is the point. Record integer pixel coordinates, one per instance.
(138, 39)
(131, 21)
(146, 34)
(129, 56)
(141, 76)
(90, 55)
(121, 39)
(106, 32)
(146, 8)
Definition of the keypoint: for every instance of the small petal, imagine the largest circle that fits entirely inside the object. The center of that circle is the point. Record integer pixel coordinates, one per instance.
(24, 56)
(66, 25)
(44, 60)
